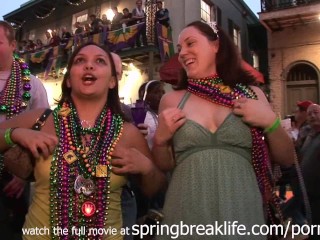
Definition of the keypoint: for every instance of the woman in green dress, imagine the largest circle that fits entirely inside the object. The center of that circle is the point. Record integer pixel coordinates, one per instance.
(213, 134)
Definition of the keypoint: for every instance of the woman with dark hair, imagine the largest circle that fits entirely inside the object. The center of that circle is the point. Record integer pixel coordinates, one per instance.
(84, 152)
(151, 93)
(213, 133)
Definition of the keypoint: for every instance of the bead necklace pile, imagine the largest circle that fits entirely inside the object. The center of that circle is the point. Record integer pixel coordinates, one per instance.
(12, 102)
(212, 89)
(80, 170)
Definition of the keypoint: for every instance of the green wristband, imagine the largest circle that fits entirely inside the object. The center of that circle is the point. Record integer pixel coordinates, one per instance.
(273, 127)
(7, 136)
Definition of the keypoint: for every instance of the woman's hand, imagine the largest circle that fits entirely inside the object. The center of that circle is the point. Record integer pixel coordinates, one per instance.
(39, 143)
(257, 113)
(130, 161)
(170, 120)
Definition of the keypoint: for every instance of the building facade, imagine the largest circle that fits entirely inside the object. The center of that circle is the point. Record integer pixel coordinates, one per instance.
(35, 17)
(294, 51)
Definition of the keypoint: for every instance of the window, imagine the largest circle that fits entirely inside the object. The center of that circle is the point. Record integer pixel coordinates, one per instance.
(235, 33)
(206, 11)
(32, 35)
(82, 18)
(255, 58)
(237, 37)
(210, 12)
(302, 72)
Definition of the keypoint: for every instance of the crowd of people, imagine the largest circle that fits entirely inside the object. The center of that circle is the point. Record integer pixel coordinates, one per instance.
(201, 154)
(96, 25)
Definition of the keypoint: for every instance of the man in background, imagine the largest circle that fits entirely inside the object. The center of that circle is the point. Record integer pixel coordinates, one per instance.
(310, 163)
(301, 124)
(14, 86)
(162, 15)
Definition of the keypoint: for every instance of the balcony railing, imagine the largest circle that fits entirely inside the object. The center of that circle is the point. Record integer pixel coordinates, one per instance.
(272, 5)
(49, 60)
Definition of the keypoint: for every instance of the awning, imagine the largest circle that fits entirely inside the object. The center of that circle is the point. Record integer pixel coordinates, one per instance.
(254, 72)
(169, 71)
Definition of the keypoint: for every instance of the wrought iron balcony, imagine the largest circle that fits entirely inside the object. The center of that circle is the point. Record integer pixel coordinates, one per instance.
(276, 15)
(272, 5)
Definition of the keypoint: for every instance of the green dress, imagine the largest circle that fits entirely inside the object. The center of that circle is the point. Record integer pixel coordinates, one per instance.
(214, 180)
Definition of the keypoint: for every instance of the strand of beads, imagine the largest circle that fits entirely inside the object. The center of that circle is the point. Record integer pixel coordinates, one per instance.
(103, 189)
(12, 102)
(212, 89)
(67, 207)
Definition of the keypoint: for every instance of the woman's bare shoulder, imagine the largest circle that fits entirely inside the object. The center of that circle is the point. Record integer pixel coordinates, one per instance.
(130, 134)
(132, 137)
(259, 92)
(172, 98)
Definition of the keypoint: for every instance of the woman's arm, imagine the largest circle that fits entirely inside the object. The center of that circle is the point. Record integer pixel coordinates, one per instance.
(170, 119)
(37, 142)
(258, 113)
(132, 156)
(281, 147)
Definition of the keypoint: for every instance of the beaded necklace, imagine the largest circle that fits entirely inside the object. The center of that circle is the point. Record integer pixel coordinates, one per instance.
(80, 174)
(12, 102)
(212, 89)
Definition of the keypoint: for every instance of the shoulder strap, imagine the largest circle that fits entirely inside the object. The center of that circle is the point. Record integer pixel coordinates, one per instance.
(184, 100)
(41, 120)
(146, 88)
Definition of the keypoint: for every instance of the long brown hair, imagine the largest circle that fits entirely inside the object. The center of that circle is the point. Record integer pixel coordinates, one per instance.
(113, 96)
(228, 59)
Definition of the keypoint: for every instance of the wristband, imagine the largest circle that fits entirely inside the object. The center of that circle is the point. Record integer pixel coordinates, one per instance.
(273, 127)
(7, 136)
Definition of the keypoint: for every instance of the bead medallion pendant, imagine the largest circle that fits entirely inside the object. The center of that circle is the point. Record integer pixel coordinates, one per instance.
(84, 186)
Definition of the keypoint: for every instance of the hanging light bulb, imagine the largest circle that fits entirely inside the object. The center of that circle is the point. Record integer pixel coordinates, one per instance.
(110, 14)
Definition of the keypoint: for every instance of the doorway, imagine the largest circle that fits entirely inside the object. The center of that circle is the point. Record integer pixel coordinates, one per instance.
(302, 83)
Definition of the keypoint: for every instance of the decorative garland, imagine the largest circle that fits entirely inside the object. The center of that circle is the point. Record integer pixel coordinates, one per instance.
(80, 169)
(212, 89)
(12, 102)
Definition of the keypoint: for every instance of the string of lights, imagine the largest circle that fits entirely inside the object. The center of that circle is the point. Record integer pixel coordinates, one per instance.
(76, 2)
(17, 25)
(45, 15)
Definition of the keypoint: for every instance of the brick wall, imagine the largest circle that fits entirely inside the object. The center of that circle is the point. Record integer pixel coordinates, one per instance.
(285, 48)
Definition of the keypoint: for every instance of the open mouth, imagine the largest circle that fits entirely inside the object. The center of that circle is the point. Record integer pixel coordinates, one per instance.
(189, 61)
(88, 78)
